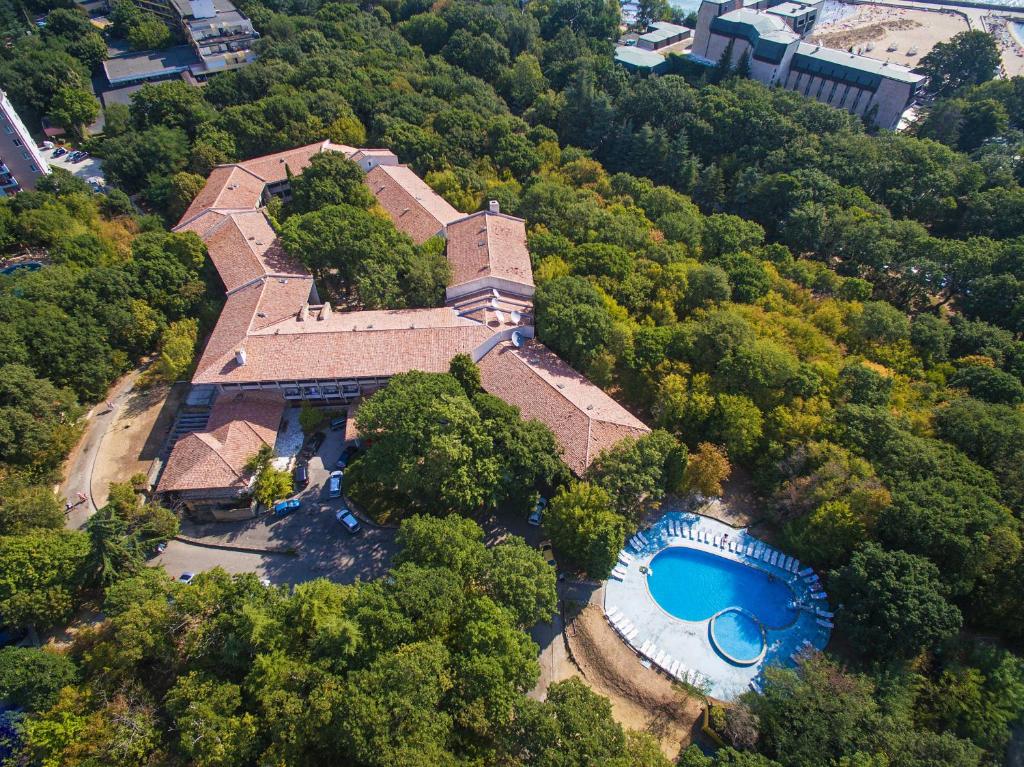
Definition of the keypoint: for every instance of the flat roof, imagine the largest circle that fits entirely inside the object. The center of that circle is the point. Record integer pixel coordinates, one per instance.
(145, 64)
(638, 57)
(860, 63)
(791, 9)
(670, 27)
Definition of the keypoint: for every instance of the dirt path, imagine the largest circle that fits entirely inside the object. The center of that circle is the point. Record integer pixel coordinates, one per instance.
(642, 699)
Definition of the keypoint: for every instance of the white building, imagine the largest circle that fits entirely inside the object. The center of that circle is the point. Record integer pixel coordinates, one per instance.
(21, 162)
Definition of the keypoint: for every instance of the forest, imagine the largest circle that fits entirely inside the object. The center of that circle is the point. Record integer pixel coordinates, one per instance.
(832, 313)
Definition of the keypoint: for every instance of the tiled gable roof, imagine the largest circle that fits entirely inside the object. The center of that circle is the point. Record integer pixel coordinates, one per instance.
(413, 206)
(489, 244)
(582, 417)
(228, 187)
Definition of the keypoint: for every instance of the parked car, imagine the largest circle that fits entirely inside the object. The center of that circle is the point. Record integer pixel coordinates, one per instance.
(300, 476)
(73, 157)
(334, 484)
(81, 156)
(60, 151)
(346, 456)
(347, 520)
(186, 577)
(284, 508)
(548, 553)
(538, 511)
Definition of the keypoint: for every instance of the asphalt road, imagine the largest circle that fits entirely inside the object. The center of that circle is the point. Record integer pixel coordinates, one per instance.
(78, 470)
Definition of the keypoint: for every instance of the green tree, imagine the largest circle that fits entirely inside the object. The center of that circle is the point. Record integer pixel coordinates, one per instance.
(585, 528)
(31, 678)
(272, 485)
(25, 507)
(968, 58)
(466, 372)
(637, 472)
(177, 350)
(893, 602)
(212, 729)
(330, 179)
(74, 107)
(706, 470)
(42, 573)
(149, 33)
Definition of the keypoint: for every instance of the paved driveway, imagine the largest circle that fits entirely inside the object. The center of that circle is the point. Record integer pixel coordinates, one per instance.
(86, 169)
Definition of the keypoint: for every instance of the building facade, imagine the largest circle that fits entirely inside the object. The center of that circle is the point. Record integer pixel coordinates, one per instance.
(21, 162)
(770, 38)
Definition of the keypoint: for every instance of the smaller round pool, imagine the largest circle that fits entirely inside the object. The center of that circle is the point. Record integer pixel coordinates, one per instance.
(738, 636)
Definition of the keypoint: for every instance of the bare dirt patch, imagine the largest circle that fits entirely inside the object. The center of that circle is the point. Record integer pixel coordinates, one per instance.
(642, 699)
(134, 440)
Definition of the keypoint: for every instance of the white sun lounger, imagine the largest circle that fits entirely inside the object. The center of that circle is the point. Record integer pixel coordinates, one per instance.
(659, 658)
(629, 635)
(785, 563)
(625, 556)
(714, 541)
(707, 537)
(812, 578)
(806, 571)
(825, 623)
(750, 549)
(689, 532)
(645, 646)
(626, 626)
(651, 652)
(673, 670)
(819, 595)
(619, 572)
(776, 557)
(642, 537)
(796, 565)
(612, 613)
(755, 686)
(825, 613)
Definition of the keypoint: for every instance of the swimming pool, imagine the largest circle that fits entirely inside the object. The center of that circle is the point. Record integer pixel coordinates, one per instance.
(695, 585)
(737, 636)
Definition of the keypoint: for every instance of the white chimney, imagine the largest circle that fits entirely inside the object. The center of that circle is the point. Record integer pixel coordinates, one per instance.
(325, 312)
(303, 313)
(240, 356)
(494, 206)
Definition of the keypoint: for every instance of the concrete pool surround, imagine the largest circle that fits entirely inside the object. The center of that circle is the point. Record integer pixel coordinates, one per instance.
(690, 646)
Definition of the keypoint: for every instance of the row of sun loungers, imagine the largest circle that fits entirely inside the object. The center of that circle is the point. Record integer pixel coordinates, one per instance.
(649, 651)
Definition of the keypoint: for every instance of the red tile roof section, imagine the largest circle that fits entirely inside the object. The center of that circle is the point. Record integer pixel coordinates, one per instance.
(215, 459)
(414, 207)
(584, 419)
(228, 187)
(275, 167)
(489, 245)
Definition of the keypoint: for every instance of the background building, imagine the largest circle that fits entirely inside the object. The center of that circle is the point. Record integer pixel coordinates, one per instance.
(21, 162)
(770, 37)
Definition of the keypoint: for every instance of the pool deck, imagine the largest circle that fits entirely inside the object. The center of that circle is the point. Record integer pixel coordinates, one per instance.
(688, 642)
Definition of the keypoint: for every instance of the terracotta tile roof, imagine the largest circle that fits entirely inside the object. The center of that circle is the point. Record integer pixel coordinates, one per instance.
(239, 426)
(584, 419)
(489, 244)
(228, 187)
(414, 207)
(272, 167)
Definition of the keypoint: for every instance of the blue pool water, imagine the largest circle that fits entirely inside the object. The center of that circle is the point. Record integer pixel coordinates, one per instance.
(28, 266)
(694, 585)
(737, 636)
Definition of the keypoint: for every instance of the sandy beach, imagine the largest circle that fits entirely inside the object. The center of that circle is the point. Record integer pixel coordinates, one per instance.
(872, 30)
(1010, 42)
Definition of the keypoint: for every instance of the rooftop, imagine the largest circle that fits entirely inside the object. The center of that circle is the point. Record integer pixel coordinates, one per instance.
(584, 419)
(146, 64)
(860, 63)
(415, 208)
(638, 57)
(489, 244)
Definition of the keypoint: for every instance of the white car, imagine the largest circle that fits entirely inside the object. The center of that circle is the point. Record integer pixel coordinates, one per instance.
(538, 511)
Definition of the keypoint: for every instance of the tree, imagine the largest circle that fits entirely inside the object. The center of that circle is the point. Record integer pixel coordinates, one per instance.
(989, 384)
(466, 372)
(330, 179)
(149, 33)
(572, 319)
(429, 449)
(894, 603)
(723, 68)
(177, 350)
(25, 507)
(73, 107)
(637, 472)
(706, 470)
(584, 527)
(968, 58)
(42, 572)
(212, 729)
(311, 418)
(271, 485)
(31, 678)
(182, 190)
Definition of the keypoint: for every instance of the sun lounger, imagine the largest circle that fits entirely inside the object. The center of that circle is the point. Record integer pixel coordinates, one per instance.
(806, 571)
(819, 595)
(659, 658)
(787, 564)
(766, 554)
(689, 532)
(644, 647)
(796, 565)
(612, 613)
(629, 635)
(812, 578)
(642, 537)
(635, 543)
(625, 556)
(750, 549)
(707, 537)
(825, 613)
(714, 541)
(755, 686)
(777, 558)
(619, 572)
(651, 652)
(673, 670)
(825, 623)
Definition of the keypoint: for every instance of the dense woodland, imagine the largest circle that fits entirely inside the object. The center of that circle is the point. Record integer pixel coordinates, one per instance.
(836, 314)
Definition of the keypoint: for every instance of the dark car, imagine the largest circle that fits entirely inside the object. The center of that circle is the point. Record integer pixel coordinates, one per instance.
(339, 423)
(284, 508)
(81, 156)
(59, 151)
(347, 520)
(300, 476)
(346, 456)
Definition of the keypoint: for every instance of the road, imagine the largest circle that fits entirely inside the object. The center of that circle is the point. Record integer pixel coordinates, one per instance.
(79, 467)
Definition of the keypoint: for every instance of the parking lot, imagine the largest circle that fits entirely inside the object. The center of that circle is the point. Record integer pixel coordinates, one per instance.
(88, 168)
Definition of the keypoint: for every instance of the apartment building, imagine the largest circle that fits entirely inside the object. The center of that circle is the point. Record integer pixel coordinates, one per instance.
(21, 162)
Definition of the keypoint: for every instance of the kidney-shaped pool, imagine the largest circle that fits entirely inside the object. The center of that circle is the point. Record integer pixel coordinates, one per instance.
(694, 585)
